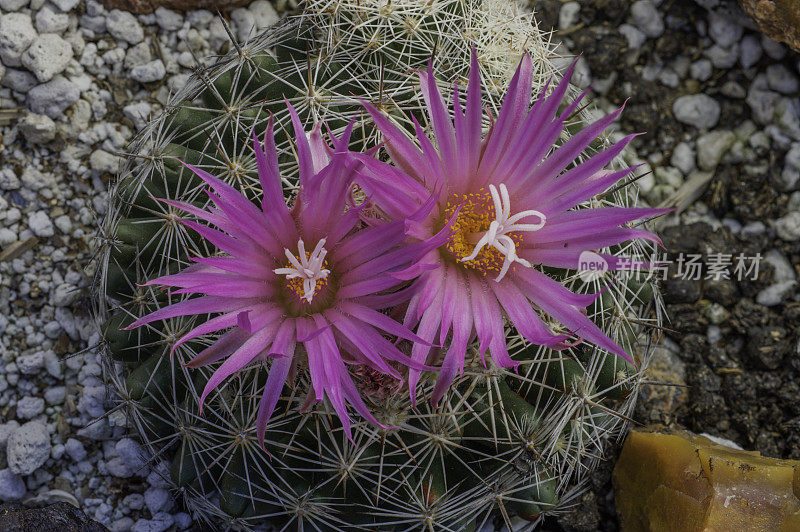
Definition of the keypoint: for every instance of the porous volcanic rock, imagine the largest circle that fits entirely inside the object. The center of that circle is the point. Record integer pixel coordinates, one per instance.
(148, 6)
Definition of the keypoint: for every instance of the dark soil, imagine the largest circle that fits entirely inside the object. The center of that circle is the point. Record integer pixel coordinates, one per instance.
(744, 387)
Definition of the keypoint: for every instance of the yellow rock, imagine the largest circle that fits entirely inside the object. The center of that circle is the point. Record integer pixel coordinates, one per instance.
(682, 482)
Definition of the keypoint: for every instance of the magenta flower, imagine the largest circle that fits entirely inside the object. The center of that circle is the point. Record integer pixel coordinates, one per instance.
(510, 200)
(310, 275)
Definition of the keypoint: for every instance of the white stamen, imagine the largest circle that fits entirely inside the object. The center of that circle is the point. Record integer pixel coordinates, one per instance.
(307, 268)
(497, 234)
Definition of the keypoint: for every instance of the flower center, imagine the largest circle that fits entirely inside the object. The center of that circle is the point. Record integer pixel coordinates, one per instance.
(486, 234)
(305, 275)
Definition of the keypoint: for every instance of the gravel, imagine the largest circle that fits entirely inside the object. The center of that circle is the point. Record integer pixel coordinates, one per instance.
(84, 79)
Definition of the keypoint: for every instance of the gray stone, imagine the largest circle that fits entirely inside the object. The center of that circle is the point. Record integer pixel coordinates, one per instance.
(159, 523)
(104, 162)
(48, 21)
(569, 15)
(168, 20)
(138, 113)
(731, 89)
(634, 36)
(698, 110)
(788, 227)
(157, 499)
(37, 129)
(55, 395)
(29, 407)
(722, 57)
(647, 18)
(780, 79)
(138, 55)
(19, 80)
(124, 26)
(30, 364)
(791, 169)
(8, 179)
(701, 70)
(96, 25)
(131, 453)
(28, 448)
(773, 48)
(75, 450)
(12, 487)
(134, 501)
(5, 431)
(54, 97)
(40, 224)
(16, 34)
(149, 72)
(65, 5)
(749, 51)
(265, 15)
(712, 146)
(117, 468)
(47, 56)
(683, 158)
(244, 23)
(762, 101)
(723, 30)
(65, 294)
(782, 269)
(774, 294)
(13, 5)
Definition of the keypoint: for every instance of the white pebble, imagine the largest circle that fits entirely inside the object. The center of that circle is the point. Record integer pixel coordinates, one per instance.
(780, 79)
(37, 129)
(12, 487)
(48, 21)
(149, 72)
(40, 224)
(647, 18)
(124, 26)
(712, 146)
(16, 35)
(29, 407)
(788, 227)
(53, 98)
(698, 110)
(168, 20)
(568, 15)
(157, 499)
(47, 56)
(28, 448)
(75, 449)
(723, 30)
(749, 51)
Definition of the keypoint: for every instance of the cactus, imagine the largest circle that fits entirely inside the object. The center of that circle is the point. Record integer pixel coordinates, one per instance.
(500, 446)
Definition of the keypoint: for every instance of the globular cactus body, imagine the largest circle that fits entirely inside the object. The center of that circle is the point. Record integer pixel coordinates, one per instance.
(501, 444)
